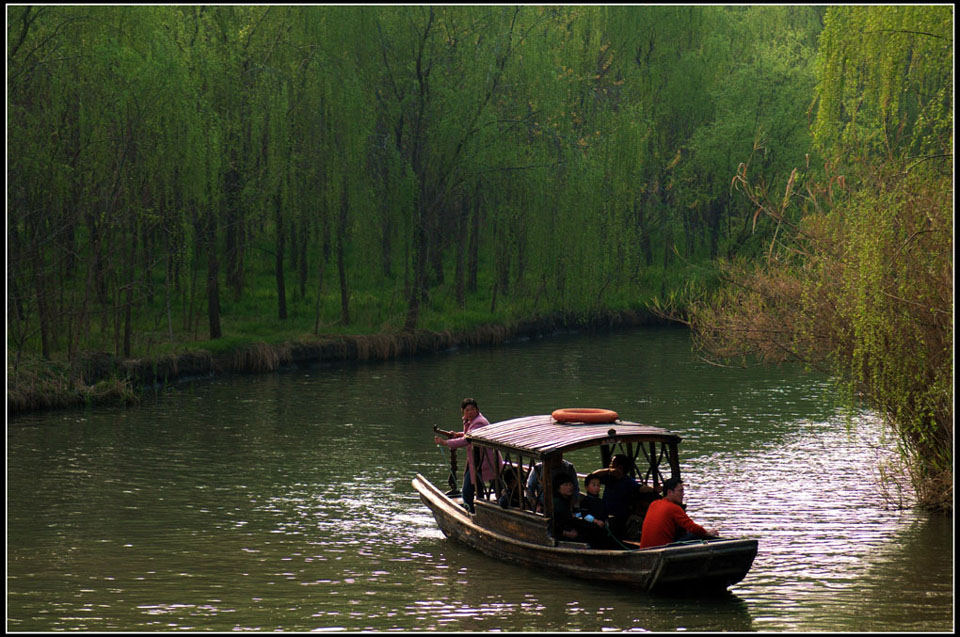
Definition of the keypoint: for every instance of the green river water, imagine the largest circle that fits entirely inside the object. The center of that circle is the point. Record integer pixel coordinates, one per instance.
(283, 501)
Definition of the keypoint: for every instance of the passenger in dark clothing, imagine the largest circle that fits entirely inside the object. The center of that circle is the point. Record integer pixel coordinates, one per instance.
(565, 526)
(535, 488)
(511, 492)
(642, 497)
(591, 503)
(618, 488)
(568, 522)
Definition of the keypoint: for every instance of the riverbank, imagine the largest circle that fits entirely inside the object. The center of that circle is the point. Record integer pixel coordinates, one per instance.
(98, 378)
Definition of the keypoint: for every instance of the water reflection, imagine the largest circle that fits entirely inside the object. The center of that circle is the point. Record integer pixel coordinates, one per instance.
(284, 502)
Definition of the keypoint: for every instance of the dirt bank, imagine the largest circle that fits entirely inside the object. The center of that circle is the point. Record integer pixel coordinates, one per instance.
(98, 378)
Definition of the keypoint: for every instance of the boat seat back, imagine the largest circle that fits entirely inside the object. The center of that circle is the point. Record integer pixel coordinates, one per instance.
(515, 523)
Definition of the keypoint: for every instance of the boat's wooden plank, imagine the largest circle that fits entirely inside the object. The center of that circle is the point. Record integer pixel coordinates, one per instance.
(523, 525)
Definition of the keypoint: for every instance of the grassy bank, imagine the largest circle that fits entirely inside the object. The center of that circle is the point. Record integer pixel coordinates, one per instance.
(100, 378)
(169, 347)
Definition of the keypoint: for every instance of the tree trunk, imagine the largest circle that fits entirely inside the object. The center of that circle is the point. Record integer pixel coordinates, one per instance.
(98, 264)
(474, 250)
(341, 249)
(166, 287)
(316, 324)
(43, 308)
(321, 260)
(690, 230)
(435, 238)
(128, 293)
(128, 320)
(302, 247)
(281, 287)
(213, 289)
(386, 244)
(461, 242)
(521, 256)
(643, 232)
(419, 259)
(715, 211)
(501, 251)
(15, 301)
(232, 231)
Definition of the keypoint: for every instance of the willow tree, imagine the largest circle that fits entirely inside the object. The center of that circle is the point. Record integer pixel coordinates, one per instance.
(95, 93)
(760, 121)
(443, 70)
(35, 37)
(861, 285)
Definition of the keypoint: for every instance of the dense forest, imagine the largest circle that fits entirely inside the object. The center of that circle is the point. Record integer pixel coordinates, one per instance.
(183, 176)
(176, 168)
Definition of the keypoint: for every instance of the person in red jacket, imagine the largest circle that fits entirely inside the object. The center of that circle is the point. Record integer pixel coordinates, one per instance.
(667, 522)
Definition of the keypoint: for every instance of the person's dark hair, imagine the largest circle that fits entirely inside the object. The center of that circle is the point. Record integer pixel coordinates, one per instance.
(468, 401)
(592, 476)
(670, 484)
(623, 461)
(559, 480)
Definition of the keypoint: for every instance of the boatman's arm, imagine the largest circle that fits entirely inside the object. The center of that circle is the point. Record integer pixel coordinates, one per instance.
(683, 520)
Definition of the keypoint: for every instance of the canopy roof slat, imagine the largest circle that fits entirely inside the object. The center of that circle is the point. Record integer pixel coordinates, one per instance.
(542, 435)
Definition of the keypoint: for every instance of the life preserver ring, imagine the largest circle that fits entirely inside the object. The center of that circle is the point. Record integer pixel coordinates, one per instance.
(585, 415)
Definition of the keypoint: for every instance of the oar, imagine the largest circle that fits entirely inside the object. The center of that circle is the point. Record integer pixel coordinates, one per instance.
(452, 479)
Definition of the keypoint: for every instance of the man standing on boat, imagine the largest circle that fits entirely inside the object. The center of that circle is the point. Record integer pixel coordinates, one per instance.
(472, 419)
(667, 522)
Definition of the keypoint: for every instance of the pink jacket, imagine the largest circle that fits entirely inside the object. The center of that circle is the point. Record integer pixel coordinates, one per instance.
(488, 457)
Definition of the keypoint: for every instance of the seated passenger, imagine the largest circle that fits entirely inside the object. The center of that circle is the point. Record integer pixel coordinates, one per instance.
(569, 523)
(535, 488)
(666, 520)
(564, 524)
(590, 502)
(639, 503)
(510, 497)
(618, 487)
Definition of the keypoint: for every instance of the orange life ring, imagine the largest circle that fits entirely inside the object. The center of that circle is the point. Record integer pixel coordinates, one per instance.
(585, 415)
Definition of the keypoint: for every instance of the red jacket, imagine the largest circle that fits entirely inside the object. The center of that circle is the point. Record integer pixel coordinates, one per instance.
(663, 520)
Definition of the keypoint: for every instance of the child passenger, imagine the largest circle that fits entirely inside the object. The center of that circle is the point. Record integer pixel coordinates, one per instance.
(591, 503)
(569, 522)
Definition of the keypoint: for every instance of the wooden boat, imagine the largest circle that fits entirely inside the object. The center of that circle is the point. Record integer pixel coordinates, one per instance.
(522, 535)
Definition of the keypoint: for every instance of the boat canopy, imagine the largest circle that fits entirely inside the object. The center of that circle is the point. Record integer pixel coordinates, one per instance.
(542, 435)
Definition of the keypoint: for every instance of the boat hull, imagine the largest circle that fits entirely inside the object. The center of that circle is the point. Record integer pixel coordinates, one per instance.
(679, 568)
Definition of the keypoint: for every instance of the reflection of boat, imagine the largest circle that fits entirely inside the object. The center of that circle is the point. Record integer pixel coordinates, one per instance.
(525, 536)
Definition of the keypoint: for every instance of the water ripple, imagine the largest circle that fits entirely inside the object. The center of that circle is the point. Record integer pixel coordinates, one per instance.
(265, 503)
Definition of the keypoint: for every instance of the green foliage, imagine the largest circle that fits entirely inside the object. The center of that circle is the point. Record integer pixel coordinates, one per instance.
(857, 279)
(385, 166)
(885, 81)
